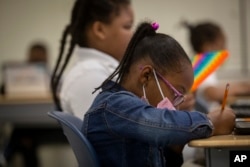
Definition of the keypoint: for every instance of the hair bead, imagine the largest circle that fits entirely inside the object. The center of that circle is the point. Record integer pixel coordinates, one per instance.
(155, 25)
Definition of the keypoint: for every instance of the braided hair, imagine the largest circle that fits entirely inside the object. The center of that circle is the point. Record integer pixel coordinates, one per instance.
(165, 52)
(84, 13)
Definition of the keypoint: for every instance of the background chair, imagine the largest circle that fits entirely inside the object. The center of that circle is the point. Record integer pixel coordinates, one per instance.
(83, 150)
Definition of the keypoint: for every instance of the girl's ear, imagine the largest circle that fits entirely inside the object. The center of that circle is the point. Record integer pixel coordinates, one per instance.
(146, 74)
(99, 30)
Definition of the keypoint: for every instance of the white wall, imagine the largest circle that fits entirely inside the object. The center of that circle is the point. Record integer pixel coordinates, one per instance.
(170, 13)
(248, 32)
(25, 21)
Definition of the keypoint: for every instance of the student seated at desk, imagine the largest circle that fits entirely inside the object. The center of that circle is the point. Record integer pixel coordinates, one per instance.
(133, 121)
(25, 140)
(37, 54)
(207, 37)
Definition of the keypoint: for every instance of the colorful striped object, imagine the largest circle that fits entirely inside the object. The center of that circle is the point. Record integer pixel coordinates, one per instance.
(206, 63)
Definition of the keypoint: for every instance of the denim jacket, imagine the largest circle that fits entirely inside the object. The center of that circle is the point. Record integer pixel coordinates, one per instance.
(127, 132)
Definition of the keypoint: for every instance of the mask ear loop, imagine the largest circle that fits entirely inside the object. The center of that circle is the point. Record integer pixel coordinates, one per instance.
(143, 88)
(144, 92)
(158, 84)
(144, 97)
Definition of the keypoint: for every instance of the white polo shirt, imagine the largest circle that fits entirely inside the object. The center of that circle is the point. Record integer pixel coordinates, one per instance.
(90, 70)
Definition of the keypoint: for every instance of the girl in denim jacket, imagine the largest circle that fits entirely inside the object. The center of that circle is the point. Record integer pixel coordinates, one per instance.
(134, 120)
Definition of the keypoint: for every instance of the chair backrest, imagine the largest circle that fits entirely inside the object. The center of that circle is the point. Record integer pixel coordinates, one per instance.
(83, 150)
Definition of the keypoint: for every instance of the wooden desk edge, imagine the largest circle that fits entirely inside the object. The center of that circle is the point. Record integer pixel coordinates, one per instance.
(222, 141)
(24, 100)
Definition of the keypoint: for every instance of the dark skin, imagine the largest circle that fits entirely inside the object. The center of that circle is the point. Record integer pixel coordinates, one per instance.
(113, 37)
(37, 56)
(141, 73)
(189, 102)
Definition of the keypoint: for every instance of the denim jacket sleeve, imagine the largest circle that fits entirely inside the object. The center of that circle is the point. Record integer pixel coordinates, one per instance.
(128, 116)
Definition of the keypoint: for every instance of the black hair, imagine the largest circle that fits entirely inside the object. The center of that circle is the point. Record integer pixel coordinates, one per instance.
(84, 13)
(41, 47)
(38, 46)
(165, 52)
(202, 33)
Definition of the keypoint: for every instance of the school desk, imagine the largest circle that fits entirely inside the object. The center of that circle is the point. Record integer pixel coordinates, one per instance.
(29, 114)
(27, 111)
(218, 148)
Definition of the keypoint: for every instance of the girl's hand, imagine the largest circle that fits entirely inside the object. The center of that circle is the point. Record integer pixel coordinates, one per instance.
(223, 121)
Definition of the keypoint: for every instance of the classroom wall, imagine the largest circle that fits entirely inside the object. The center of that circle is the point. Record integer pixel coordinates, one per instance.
(226, 13)
(247, 7)
(23, 22)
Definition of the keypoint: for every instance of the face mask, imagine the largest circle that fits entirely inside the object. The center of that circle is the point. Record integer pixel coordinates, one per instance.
(165, 103)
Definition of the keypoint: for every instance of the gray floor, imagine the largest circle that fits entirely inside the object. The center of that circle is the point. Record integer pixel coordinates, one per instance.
(50, 156)
(62, 156)
(190, 154)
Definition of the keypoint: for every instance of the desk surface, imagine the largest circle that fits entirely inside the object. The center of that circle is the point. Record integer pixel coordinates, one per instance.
(222, 141)
(25, 100)
(235, 99)
(27, 111)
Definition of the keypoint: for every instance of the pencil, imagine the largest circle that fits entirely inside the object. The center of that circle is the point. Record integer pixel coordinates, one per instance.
(225, 97)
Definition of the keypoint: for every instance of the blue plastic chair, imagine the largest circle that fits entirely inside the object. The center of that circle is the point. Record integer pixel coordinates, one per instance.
(83, 150)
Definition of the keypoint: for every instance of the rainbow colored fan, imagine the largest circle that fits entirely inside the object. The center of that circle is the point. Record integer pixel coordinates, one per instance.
(205, 64)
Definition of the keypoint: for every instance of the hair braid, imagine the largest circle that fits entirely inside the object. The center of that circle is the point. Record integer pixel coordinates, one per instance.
(145, 29)
(71, 48)
(72, 30)
(59, 59)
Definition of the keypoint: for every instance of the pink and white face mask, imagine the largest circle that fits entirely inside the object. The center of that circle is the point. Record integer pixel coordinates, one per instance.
(165, 102)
